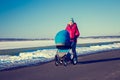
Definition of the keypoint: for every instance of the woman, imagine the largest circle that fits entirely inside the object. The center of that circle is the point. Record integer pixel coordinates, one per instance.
(74, 34)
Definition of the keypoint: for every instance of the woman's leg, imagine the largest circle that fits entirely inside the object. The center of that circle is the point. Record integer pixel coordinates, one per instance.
(74, 49)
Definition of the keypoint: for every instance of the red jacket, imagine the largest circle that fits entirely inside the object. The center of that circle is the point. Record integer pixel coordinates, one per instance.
(73, 31)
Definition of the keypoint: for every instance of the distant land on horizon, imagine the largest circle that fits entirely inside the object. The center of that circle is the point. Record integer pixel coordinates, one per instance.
(102, 37)
(23, 39)
(27, 39)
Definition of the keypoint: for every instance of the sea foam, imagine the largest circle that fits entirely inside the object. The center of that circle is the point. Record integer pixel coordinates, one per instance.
(45, 55)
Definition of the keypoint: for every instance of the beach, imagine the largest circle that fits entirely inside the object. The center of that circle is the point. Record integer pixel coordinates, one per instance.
(103, 65)
(33, 32)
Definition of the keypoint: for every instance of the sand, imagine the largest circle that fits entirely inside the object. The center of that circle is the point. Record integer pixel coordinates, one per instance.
(101, 66)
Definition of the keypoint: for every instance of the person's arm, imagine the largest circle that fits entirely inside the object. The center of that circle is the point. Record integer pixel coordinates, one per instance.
(77, 33)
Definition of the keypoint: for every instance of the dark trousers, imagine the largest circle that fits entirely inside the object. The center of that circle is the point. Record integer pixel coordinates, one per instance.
(73, 46)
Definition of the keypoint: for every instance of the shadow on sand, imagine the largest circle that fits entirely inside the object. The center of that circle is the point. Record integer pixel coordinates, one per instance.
(100, 60)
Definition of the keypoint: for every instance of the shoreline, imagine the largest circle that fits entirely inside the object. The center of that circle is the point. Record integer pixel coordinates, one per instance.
(41, 63)
(18, 50)
(99, 66)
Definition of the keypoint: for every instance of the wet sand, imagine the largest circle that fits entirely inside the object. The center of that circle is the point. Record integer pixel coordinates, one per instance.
(101, 66)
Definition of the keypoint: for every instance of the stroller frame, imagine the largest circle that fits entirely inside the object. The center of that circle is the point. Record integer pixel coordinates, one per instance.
(63, 55)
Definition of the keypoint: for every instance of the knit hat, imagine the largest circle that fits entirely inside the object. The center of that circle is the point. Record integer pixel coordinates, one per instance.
(72, 20)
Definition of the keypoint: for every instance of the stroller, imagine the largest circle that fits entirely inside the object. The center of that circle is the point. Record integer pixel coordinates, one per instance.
(64, 53)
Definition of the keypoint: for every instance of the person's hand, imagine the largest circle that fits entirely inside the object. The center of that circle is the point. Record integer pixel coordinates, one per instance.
(75, 39)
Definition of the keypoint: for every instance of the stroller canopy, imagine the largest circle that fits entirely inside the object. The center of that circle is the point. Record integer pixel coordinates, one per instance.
(62, 38)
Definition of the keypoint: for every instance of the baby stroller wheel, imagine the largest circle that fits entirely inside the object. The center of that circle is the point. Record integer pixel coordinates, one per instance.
(65, 60)
(56, 63)
(65, 63)
(57, 60)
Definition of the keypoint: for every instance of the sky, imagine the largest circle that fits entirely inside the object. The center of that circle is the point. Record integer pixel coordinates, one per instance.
(44, 18)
